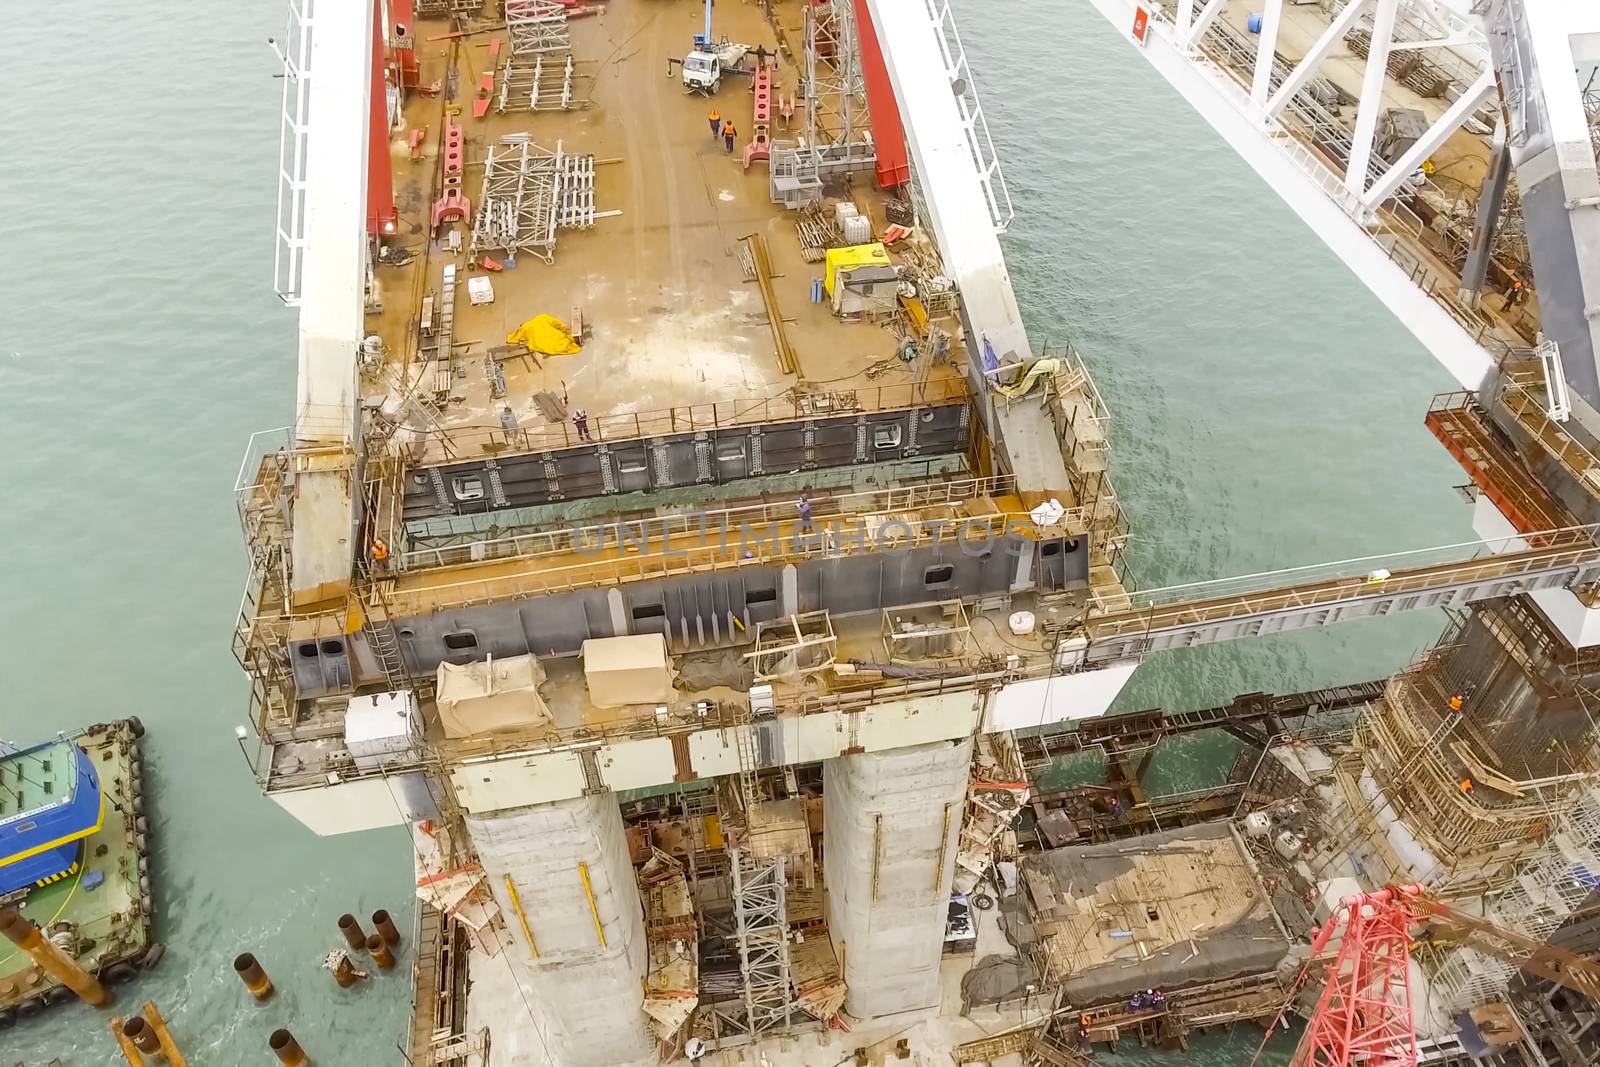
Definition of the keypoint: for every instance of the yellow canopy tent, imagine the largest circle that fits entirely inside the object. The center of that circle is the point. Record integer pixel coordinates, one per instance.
(546, 335)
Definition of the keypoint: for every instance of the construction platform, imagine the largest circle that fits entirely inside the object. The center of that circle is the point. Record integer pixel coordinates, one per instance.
(673, 320)
(1171, 909)
(104, 912)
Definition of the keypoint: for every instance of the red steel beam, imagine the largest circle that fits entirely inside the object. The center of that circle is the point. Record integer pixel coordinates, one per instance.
(381, 215)
(888, 136)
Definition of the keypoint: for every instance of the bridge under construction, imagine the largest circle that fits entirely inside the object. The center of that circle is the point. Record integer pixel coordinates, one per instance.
(724, 637)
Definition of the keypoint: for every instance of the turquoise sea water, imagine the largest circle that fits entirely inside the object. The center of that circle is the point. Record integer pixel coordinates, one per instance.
(1268, 413)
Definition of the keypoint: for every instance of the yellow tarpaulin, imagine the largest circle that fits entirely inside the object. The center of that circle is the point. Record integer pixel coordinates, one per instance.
(1020, 387)
(546, 335)
(846, 259)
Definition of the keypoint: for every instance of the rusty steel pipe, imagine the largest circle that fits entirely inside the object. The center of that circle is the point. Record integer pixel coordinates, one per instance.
(345, 973)
(287, 1049)
(385, 926)
(380, 952)
(354, 936)
(54, 962)
(141, 1033)
(254, 978)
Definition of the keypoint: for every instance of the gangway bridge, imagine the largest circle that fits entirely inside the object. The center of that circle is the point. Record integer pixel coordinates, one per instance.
(1283, 601)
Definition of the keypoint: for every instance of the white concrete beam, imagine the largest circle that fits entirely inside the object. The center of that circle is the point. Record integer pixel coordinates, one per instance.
(1266, 47)
(334, 269)
(333, 281)
(1371, 105)
(1306, 69)
(1430, 141)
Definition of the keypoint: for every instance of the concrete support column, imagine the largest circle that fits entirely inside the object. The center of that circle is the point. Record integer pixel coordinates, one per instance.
(890, 856)
(575, 887)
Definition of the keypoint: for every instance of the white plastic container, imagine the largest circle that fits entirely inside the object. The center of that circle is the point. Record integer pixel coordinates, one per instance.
(857, 230)
(1022, 623)
(844, 209)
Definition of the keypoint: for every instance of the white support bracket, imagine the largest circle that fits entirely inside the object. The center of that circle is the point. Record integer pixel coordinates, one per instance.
(1185, 18)
(1306, 69)
(1429, 142)
(1372, 80)
(1266, 50)
(1202, 21)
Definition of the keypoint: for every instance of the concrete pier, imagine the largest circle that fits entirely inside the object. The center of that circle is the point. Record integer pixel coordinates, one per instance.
(577, 899)
(890, 858)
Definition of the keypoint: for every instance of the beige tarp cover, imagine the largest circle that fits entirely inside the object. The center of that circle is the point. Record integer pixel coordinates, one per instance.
(627, 670)
(495, 694)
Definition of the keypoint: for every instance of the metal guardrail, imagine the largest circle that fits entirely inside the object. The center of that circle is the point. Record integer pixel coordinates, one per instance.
(460, 443)
(593, 536)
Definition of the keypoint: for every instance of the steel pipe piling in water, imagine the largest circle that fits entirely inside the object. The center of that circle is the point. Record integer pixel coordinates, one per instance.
(379, 949)
(385, 926)
(287, 1049)
(354, 936)
(254, 978)
(141, 1034)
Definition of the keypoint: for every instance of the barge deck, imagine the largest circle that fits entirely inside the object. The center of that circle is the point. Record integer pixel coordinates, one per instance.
(104, 911)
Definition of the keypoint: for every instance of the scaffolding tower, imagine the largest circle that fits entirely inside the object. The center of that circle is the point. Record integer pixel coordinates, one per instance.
(537, 26)
(837, 137)
(762, 923)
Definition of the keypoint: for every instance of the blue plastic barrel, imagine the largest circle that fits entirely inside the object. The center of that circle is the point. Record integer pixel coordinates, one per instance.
(1253, 23)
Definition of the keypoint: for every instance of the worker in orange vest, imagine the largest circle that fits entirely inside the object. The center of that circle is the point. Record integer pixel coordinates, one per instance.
(379, 552)
(1515, 291)
(716, 121)
(727, 135)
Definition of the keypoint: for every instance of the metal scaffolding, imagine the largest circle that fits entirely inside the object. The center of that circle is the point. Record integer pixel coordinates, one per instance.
(517, 212)
(440, 9)
(762, 922)
(837, 140)
(528, 193)
(1538, 900)
(537, 26)
(541, 86)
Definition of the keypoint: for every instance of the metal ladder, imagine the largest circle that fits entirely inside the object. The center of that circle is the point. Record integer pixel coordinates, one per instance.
(382, 638)
(744, 743)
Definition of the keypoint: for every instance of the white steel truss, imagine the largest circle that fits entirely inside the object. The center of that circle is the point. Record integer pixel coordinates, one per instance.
(543, 86)
(1331, 174)
(762, 922)
(291, 230)
(537, 26)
